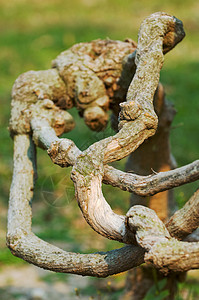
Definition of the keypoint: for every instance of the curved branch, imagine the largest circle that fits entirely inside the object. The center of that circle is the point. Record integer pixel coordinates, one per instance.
(174, 256)
(138, 122)
(186, 219)
(151, 234)
(64, 153)
(152, 184)
(158, 34)
(24, 244)
(163, 251)
(100, 264)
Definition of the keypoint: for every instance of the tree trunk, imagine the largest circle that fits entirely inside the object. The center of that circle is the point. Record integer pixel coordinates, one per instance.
(154, 155)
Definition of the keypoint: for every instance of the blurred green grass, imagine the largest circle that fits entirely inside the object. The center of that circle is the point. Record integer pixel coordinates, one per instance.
(32, 34)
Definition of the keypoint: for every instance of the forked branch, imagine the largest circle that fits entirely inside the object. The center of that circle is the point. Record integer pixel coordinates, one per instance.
(23, 243)
(41, 120)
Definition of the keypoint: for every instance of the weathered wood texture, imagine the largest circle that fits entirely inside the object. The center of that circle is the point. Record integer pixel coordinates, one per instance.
(23, 243)
(153, 156)
(37, 112)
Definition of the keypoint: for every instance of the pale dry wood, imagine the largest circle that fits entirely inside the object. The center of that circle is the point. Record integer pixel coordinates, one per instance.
(64, 152)
(137, 122)
(174, 256)
(153, 154)
(41, 88)
(154, 183)
(23, 243)
(92, 76)
(163, 251)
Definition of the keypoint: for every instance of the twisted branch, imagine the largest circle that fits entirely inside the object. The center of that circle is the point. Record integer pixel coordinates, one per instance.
(158, 34)
(138, 122)
(163, 251)
(154, 183)
(23, 243)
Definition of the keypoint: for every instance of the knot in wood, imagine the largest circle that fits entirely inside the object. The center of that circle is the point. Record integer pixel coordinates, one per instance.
(130, 110)
(59, 152)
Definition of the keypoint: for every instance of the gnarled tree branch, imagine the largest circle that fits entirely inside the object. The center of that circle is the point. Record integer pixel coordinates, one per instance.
(163, 251)
(138, 121)
(154, 183)
(23, 243)
(185, 220)
(40, 119)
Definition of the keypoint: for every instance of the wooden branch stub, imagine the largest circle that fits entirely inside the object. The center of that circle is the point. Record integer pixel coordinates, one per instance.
(63, 152)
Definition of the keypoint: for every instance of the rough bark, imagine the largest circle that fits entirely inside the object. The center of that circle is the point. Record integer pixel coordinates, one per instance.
(158, 159)
(185, 220)
(164, 252)
(138, 122)
(19, 225)
(150, 184)
(23, 243)
(35, 116)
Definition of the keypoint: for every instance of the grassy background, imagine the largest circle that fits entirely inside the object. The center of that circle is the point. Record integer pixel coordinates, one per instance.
(32, 34)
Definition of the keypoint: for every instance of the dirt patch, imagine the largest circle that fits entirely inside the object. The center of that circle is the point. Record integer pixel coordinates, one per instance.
(32, 283)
